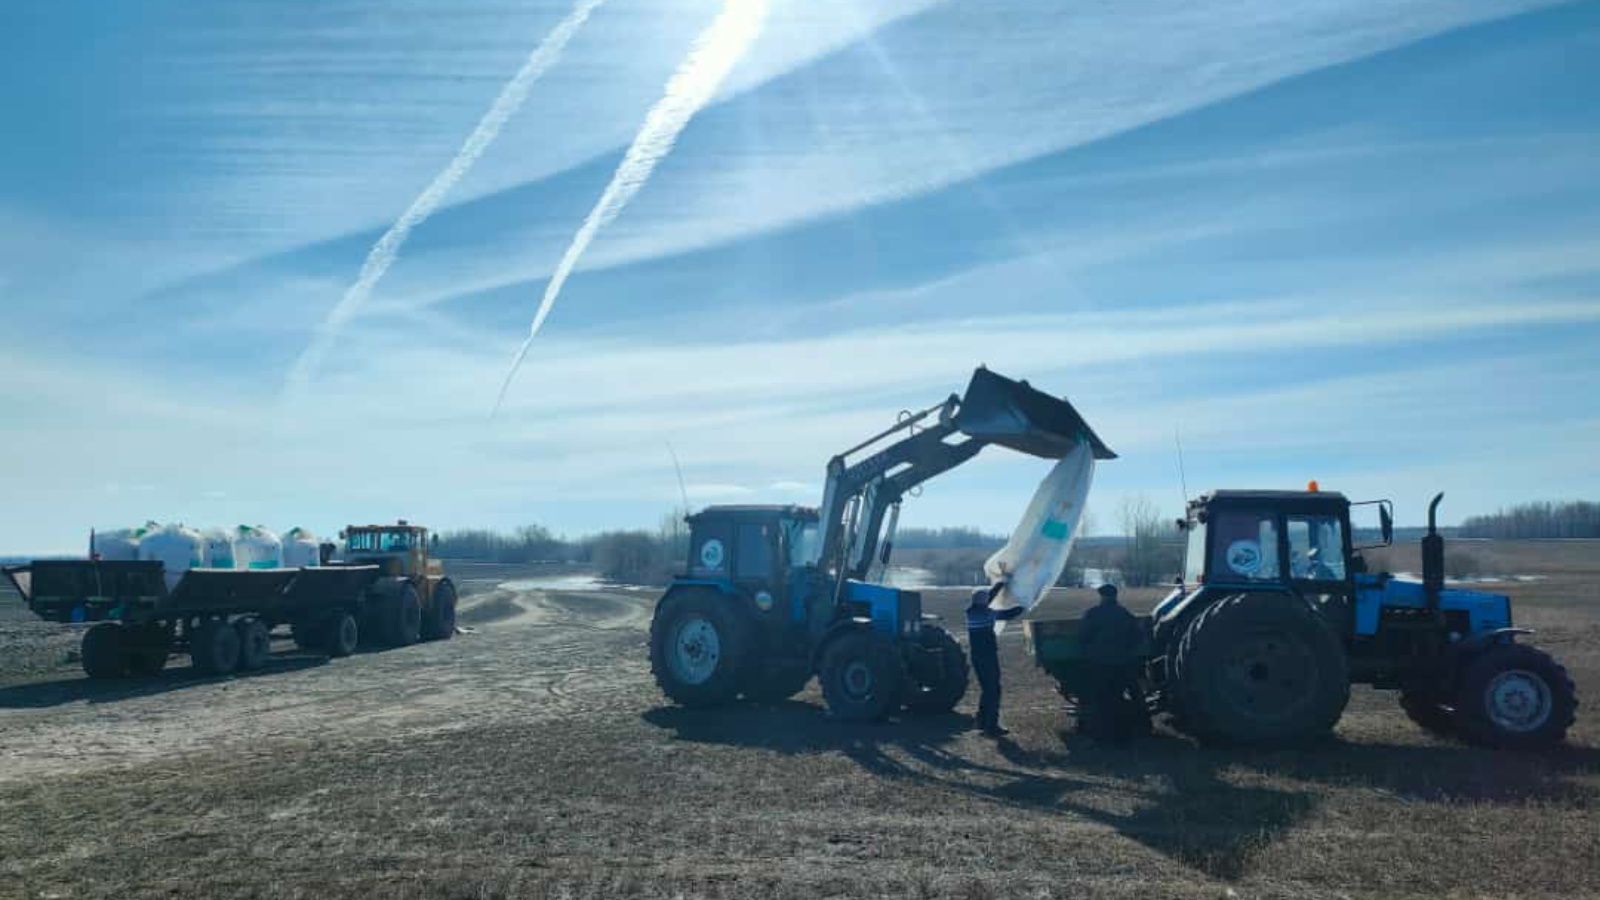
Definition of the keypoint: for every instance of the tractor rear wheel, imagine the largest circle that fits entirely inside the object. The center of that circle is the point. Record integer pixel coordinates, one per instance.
(255, 643)
(940, 694)
(440, 622)
(105, 651)
(863, 676)
(1425, 707)
(775, 684)
(400, 618)
(214, 647)
(1260, 668)
(340, 635)
(699, 644)
(1517, 697)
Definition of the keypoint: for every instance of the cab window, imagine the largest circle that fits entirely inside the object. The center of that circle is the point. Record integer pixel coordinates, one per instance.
(1194, 558)
(1316, 548)
(755, 550)
(1245, 546)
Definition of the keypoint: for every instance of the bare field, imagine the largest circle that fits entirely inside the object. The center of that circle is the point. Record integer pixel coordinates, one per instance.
(534, 758)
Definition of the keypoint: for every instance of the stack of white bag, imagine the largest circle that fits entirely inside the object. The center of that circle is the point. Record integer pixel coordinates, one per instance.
(1032, 561)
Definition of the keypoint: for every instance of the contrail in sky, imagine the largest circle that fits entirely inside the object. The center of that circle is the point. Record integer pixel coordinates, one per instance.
(713, 55)
(383, 254)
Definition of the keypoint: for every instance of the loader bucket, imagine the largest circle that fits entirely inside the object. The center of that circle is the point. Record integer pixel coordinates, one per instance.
(1014, 414)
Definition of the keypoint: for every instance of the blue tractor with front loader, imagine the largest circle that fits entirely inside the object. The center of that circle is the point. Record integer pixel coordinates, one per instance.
(1275, 616)
(774, 595)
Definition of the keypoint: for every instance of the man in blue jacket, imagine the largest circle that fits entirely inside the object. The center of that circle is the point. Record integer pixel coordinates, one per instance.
(985, 653)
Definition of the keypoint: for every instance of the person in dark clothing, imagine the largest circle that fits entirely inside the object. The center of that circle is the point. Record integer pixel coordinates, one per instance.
(1112, 705)
(985, 652)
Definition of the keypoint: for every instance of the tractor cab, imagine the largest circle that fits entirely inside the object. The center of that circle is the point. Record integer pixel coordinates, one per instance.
(398, 549)
(759, 551)
(1283, 538)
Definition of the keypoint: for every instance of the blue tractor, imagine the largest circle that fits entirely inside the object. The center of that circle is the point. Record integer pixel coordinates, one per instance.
(1276, 615)
(776, 594)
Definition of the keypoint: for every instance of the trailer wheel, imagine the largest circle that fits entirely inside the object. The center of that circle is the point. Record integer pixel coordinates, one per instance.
(699, 641)
(148, 649)
(939, 695)
(214, 647)
(1260, 668)
(400, 618)
(340, 635)
(105, 651)
(1516, 697)
(863, 677)
(440, 622)
(255, 643)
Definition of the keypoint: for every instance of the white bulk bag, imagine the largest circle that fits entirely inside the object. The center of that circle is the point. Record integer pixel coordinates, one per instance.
(1032, 561)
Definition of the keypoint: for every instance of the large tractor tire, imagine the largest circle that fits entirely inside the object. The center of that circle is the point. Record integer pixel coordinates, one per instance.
(1259, 668)
(105, 651)
(400, 618)
(214, 647)
(340, 635)
(148, 649)
(1515, 697)
(863, 676)
(775, 684)
(439, 624)
(255, 644)
(939, 695)
(1429, 710)
(699, 645)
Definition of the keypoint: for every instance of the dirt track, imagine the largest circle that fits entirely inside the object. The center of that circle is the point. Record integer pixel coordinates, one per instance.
(524, 656)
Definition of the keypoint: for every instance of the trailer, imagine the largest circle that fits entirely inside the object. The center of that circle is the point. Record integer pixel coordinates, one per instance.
(386, 592)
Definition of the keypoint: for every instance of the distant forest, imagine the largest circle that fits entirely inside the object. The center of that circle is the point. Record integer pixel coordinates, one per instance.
(1573, 519)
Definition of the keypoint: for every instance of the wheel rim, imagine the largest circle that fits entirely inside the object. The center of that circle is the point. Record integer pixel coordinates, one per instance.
(858, 680)
(347, 632)
(1518, 701)
(1269, 675)
(695, 651)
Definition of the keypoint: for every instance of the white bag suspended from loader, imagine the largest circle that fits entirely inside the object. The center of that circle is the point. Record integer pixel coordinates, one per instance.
(1032, 561)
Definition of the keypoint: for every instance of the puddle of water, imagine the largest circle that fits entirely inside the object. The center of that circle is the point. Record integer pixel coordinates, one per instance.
(574, 583)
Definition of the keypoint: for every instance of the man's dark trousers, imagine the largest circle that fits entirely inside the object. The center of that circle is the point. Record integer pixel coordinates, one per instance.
(986, 665)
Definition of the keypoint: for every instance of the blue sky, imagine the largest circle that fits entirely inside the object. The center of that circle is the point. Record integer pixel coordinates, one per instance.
(1358, 242)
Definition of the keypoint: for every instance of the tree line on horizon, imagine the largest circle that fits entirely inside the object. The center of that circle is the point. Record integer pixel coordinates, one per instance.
(1540, 520)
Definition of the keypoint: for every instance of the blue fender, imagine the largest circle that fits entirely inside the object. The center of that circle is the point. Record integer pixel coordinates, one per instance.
(1483, 639)
(843, 626)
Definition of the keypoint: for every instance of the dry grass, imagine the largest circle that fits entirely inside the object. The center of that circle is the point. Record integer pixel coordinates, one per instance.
(639, 799)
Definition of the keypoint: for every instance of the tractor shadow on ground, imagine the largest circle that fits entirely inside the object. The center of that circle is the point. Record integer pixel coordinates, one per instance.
(1211, 809)
(1187, 812)
(82, 689)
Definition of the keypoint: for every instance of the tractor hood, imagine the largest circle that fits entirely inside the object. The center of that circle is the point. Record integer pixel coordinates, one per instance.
(1014, 414)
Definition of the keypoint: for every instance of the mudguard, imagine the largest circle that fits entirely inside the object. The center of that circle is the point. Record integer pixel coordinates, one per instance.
(854, 623)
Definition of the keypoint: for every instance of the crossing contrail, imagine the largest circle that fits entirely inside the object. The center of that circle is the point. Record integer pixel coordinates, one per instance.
(387, 249)
(710, 60)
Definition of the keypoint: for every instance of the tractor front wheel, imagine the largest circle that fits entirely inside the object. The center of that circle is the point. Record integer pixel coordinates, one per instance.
(863, 677)
(440, 622)
(1517, 697)
(936, 687)
(699, 641)
(1257, 668)
(400, 618)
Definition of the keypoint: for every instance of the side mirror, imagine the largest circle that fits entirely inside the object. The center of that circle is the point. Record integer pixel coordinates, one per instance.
(1386, 520)
(341, 534)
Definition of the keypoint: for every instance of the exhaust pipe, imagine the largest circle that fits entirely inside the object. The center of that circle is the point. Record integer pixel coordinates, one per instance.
(1433, 556)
